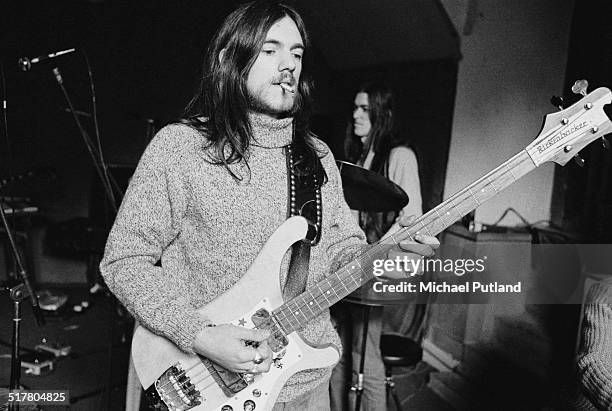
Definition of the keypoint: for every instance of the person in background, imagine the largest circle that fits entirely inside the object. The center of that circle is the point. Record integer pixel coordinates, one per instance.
(372, 142)
(595, 352)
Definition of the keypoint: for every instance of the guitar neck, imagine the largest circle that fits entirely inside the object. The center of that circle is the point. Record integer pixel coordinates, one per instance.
(296, 313)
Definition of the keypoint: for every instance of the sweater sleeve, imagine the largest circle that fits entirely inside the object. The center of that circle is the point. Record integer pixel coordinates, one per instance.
(346, 240)
(595, 355)
(148, 220)
(404, 171)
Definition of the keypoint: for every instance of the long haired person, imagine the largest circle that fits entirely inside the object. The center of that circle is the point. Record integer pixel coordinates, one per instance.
(208, 193)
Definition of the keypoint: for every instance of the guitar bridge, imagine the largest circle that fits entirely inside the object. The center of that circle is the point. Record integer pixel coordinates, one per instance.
(174, 391)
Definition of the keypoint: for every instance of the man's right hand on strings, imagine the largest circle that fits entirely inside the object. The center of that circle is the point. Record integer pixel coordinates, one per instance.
(226, 345)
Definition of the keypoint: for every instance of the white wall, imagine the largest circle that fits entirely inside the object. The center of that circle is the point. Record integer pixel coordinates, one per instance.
(513, 61)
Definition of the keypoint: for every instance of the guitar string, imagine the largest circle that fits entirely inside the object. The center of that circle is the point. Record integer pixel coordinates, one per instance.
(193, 380)
(325, 287)
(183, 373)
(192, 377)
(332, 283)
(276, 333)
(300, 302)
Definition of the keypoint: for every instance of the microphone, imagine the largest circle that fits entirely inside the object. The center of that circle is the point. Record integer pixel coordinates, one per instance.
(25, 63)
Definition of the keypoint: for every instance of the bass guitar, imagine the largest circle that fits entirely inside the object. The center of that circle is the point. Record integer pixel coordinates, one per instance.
(180, 381)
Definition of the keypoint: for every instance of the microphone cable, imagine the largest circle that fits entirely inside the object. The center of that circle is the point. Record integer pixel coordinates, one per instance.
(111, 182)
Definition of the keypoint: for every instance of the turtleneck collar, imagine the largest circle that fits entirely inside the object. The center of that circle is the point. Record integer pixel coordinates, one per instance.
(270, 132)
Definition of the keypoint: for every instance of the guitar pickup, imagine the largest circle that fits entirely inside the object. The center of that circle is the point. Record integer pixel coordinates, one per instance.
(230, 382)
(262, 319)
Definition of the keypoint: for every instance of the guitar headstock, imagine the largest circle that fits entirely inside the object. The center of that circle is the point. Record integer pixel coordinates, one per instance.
(568, 131)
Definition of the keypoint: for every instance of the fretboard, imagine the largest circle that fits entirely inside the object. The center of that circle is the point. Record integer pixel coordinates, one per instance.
(297, 312)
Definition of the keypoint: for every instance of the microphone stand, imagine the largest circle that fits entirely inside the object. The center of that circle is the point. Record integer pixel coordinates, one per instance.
(102, 171)
(95, 156)
(19, 293)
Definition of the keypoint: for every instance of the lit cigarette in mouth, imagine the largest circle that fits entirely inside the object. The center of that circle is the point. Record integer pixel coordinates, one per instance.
(287, 88)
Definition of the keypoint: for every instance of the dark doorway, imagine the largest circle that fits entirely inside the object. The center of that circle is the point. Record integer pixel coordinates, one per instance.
(582, 196)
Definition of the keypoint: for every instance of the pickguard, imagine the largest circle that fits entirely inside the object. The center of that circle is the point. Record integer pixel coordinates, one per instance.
(240, 391)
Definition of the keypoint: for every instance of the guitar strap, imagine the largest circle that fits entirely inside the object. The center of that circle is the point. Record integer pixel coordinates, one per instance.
(304, 199)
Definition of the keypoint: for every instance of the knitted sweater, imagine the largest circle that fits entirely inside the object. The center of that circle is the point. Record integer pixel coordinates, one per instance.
(595, 355)
(207, 228)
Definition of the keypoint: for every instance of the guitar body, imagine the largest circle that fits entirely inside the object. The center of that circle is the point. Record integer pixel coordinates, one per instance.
(155, 357)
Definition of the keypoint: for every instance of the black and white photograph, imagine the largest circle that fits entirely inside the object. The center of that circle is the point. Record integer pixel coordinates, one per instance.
(285, 205)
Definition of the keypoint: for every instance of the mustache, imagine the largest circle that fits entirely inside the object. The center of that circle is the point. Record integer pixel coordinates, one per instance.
(285, 78)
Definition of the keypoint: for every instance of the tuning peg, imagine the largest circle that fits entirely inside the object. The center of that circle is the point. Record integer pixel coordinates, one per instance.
(580, 87)
(579, 160)
(605, 143)
(557, 101)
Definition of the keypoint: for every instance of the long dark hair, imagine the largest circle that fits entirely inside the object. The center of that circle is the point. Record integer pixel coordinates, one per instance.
(219, 108)
(382, 134)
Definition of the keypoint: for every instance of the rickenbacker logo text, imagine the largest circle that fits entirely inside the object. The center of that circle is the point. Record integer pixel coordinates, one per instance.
(542, 147)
